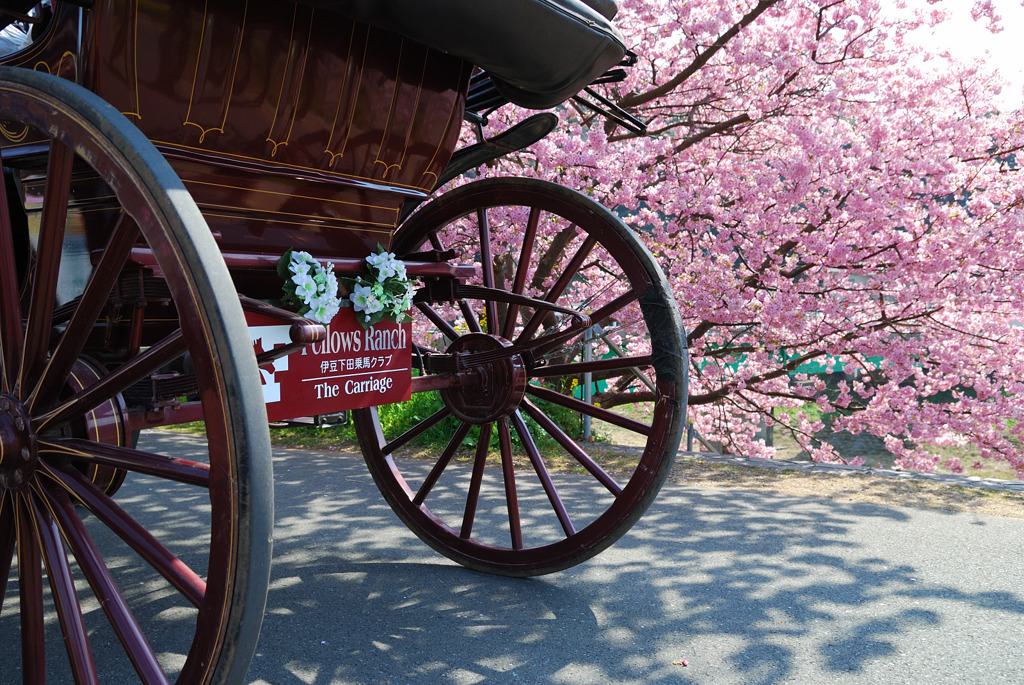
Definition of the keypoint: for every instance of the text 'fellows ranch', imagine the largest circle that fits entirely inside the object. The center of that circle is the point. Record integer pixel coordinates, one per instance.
(352, 368)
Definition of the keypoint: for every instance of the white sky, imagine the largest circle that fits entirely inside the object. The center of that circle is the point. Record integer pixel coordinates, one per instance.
(967, 39)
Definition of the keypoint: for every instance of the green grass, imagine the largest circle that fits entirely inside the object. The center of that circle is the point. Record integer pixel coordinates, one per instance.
(396, 418)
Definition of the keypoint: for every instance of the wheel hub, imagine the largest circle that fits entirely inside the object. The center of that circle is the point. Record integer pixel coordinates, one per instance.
(18, 457)
(499, 387)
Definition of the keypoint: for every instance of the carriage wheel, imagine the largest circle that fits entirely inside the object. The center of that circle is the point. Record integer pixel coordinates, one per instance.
(183, 596)
(508, 425)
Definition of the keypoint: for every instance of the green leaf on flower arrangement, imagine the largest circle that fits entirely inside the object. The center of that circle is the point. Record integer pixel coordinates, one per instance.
(283, 269)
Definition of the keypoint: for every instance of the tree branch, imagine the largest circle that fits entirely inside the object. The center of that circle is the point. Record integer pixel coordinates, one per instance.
(701, 59)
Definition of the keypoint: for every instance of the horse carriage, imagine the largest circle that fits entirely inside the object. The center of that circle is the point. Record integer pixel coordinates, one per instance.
(159, 158)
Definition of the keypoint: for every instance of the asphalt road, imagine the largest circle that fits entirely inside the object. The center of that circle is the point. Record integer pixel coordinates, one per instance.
(713, 586)
(745, 587)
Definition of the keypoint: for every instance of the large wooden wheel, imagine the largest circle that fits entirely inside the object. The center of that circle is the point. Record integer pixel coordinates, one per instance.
(80, 573)
(514, 356)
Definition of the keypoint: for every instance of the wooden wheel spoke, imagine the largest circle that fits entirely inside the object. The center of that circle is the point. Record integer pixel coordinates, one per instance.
(7, 540)
(90, 304)
(10, 307)
(613, 307)
(472, 321)
(508, 473)
(526, 252)
(30, 585)
(522, 271)
(486, 266)
(544, 344)
(435, 242)
(179, 575)
(442, 464)
(65, 598)
(484, 232)
(56, 194)
(595, 366)
(588, 409)
(553, 342)
(438, 320)
(140, 366)
(570, 446)
(542, 473)
(137, 461)
(417, 430)
(106, 591)
(556, 290)
(476, 481)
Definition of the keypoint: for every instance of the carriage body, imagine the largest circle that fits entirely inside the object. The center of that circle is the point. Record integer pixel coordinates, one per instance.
(291, 127)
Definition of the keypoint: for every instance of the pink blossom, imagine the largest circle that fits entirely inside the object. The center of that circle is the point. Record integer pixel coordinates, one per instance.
(815, 196)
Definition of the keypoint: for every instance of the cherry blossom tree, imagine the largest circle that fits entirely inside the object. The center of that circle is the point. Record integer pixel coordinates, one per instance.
(838, 212)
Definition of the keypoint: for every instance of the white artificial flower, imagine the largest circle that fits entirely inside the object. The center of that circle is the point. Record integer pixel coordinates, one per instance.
(331, 286)
(323, 308)
(379, 259)
(312, 287)
(374, 305)
(301, 263)
(386, 265)
(385, 289)
(399, 267)
(305, 287)
(364, 300)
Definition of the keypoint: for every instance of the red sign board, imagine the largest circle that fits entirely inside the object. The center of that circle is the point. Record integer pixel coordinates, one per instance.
(352, 368)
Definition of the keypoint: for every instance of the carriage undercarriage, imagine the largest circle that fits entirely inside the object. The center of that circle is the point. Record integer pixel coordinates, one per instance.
(149, 198)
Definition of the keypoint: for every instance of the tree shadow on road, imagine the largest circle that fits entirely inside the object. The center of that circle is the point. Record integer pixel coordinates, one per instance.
(745, 587)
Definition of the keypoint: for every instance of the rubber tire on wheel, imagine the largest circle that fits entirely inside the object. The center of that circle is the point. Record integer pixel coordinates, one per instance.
(528, 518)
(196, 625)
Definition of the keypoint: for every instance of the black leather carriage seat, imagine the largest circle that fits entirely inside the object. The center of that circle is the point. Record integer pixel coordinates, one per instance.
(539, 53)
